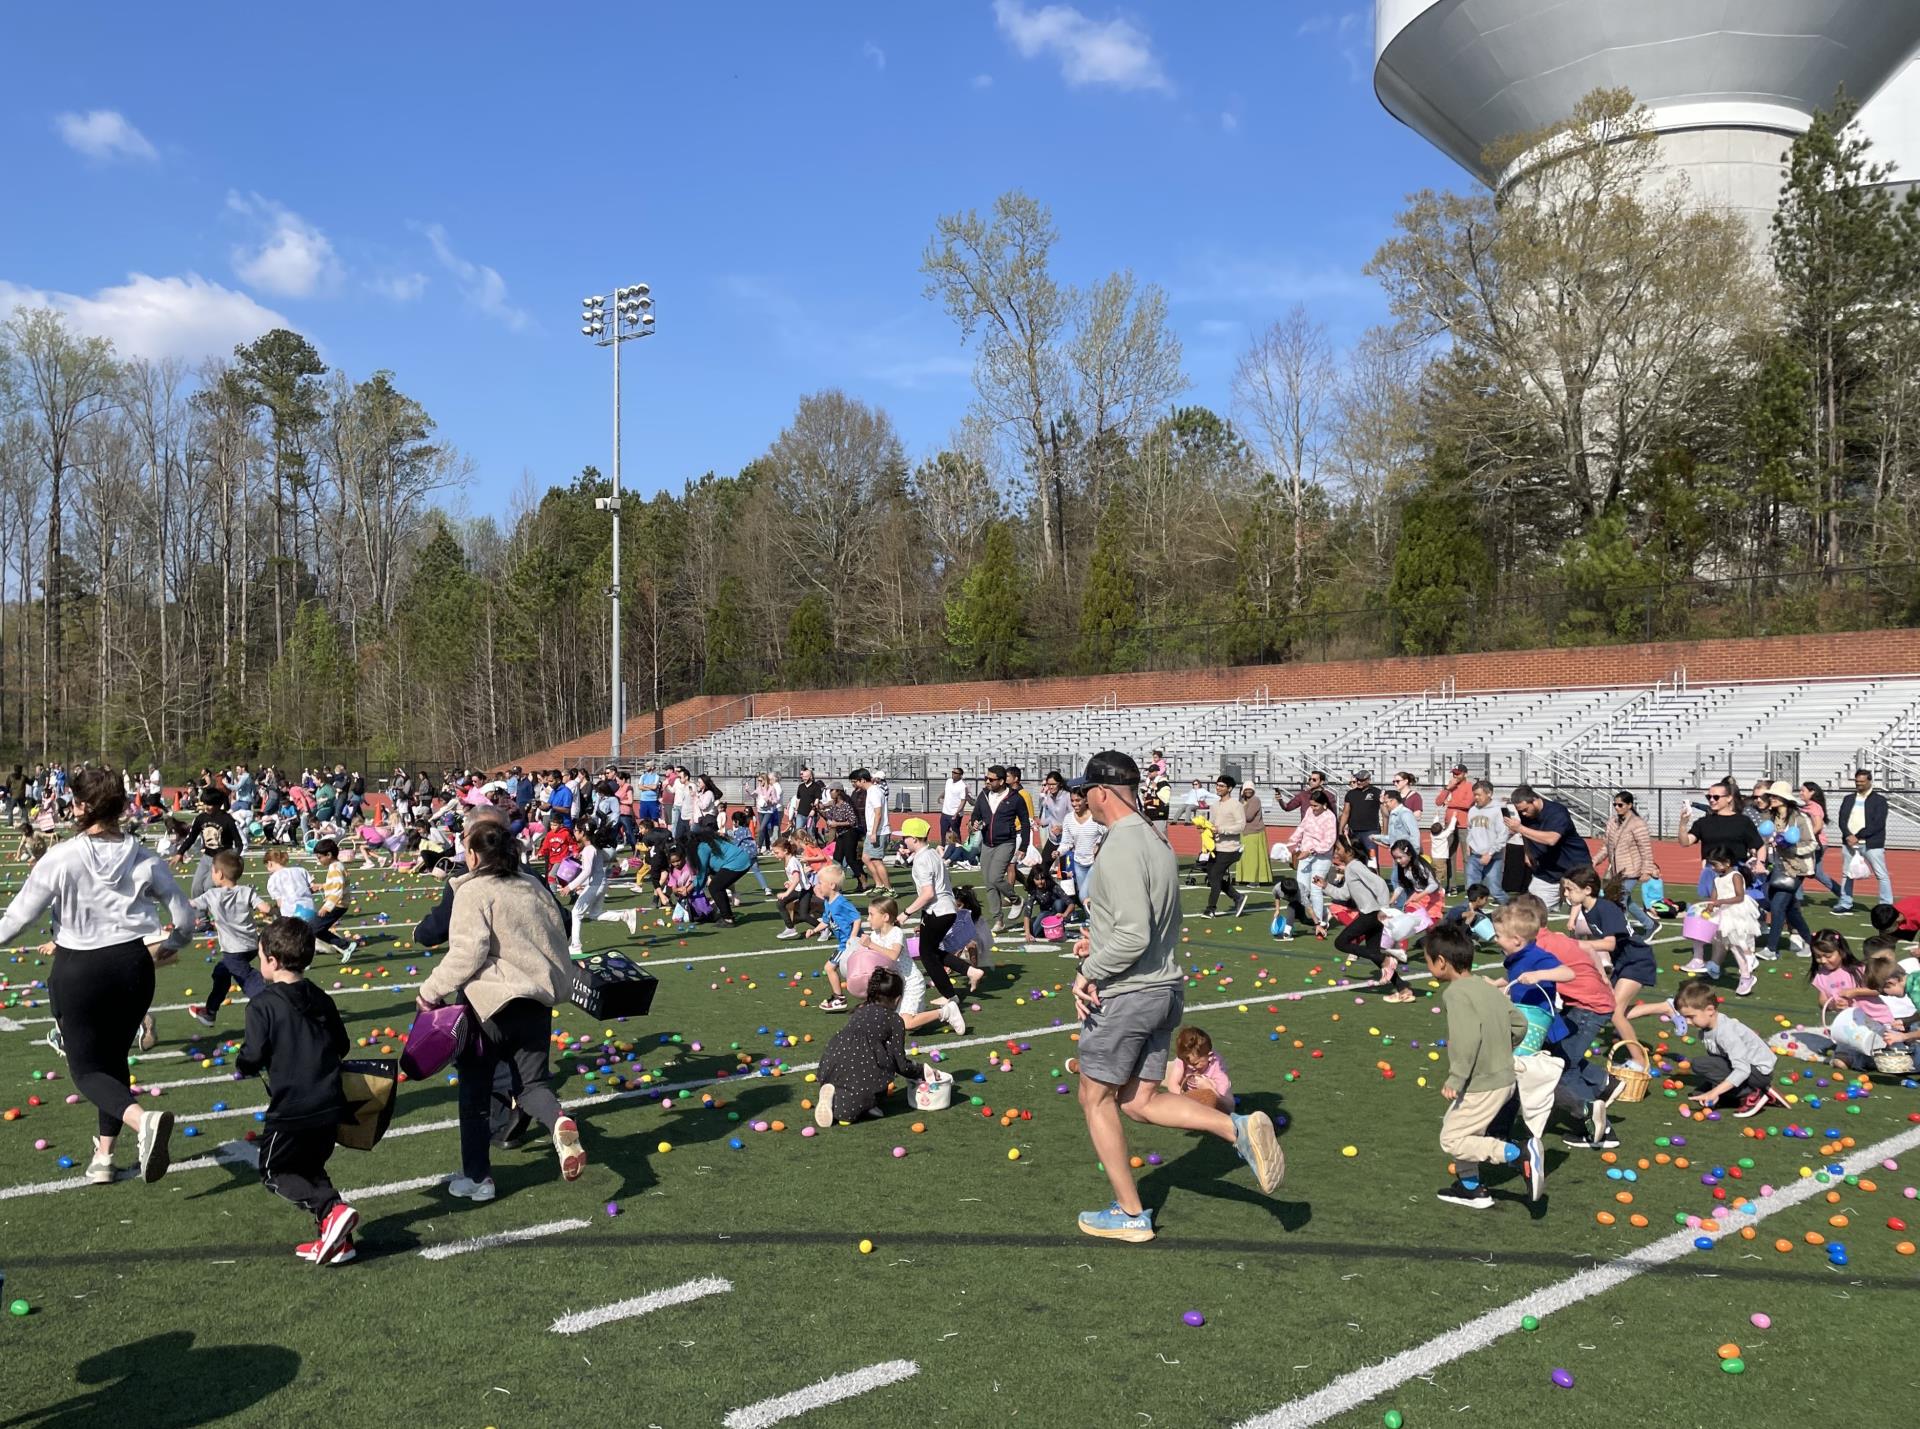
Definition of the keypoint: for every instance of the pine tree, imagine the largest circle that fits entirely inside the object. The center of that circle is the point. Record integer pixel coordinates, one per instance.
(1440, 564)
(987, 622)
(1110, 601)
(809, 659)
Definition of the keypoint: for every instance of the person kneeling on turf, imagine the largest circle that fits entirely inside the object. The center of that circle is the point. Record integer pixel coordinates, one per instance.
(294, 1034)
(866, 1054)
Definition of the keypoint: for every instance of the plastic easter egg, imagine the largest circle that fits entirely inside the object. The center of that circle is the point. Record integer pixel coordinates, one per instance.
(1194, 1318)
(1736, 1365)
(1562, 1379)
(866, 1247)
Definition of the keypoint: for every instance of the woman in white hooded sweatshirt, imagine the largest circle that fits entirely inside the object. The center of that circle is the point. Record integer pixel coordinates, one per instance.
(105, 889)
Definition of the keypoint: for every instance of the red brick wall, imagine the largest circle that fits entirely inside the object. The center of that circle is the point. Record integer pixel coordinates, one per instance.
(1784, 657)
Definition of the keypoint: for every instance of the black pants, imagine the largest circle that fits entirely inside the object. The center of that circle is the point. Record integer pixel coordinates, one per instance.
(1712, 1069)
(517, 1036)
(949, 824)
(934, 928)
(846, 852)
(799, 906)
(323, 929)
(1220, 877)
(1361, 938)
(293, 1165)
(234, 968)
(101, 994)
(719, 885)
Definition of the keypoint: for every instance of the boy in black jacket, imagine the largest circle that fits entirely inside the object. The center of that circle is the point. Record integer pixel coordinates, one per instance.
(294, 1033)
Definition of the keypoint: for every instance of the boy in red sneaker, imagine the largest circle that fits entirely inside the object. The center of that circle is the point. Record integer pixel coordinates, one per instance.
(295, 1035)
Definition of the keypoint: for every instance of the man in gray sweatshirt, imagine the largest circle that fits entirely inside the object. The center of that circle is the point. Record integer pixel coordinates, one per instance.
(1130, 991)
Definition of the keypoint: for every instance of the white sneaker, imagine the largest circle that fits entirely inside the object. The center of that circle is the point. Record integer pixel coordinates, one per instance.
(786, 933)
(476, 1191)
(1746, 986)
(566, 1141)
(155, 1153)
(1696, 966)
(951, 1015)
(100, 1169)
(823, 1107)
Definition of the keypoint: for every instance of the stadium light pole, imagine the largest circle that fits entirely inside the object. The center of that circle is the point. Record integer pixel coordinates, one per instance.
(608, 322)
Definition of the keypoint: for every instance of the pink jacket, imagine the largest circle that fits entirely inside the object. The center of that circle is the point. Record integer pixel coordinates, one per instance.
(1315, 834)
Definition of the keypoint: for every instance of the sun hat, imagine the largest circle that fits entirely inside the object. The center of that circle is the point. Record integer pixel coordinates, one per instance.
(1784, 792)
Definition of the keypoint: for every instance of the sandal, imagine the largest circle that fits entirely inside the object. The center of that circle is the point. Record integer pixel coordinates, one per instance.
(1401, 996)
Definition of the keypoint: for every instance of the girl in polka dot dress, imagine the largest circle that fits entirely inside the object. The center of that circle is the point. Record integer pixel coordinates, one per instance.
(866, 1054)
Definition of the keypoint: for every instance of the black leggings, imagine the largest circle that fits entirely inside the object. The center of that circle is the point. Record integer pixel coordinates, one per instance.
(516, 1035)
(1220, 877)
(846, 850)
(101, 994)
(1361, 938)
(719, 884)
(934, 928)
(799, 906)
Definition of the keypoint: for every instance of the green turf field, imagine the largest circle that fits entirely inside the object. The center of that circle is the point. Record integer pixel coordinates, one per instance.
(181, 1303)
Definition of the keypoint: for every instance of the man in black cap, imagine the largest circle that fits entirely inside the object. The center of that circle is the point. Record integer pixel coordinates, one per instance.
(1360, 810)
(1131, 994)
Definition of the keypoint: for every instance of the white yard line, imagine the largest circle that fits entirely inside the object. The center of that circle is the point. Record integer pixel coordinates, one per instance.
(1352, 1390)
(488, 1242)
(641, 1305)
(395, 1188)
(817, 1396)
(663, 1089)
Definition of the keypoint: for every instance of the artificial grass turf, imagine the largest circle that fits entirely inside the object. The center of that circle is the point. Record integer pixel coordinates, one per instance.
(978, 1274)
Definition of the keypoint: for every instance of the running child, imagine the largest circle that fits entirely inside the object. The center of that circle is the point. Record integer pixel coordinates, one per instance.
(841, 918)
(295, 1036)
(1483, 1027)
(589, 887)
(333, 897)
(741, 833)
(796, 900)
(229, 906)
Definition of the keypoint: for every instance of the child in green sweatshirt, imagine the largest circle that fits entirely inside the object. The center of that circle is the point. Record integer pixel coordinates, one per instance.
(1483, 1027)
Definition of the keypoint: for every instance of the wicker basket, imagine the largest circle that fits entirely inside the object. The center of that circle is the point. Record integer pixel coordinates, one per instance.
(1633, 1084)
(1893, 1061)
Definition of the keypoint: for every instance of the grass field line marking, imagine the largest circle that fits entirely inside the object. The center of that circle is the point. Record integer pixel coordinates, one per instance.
(664, 1088)
(488, 1242)
(395, 1188)
(1358, 1387)
(817, 1396)
(231, 1153)
(682, 1294)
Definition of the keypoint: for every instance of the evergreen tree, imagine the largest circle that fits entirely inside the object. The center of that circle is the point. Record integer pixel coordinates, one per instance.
(1440, 564)
(809, 659)
(1110, 600)
(987, 622)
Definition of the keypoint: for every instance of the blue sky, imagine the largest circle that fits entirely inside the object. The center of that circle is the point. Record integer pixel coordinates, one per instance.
(432, 189)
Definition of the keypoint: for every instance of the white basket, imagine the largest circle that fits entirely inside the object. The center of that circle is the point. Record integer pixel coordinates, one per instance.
(934, 1093)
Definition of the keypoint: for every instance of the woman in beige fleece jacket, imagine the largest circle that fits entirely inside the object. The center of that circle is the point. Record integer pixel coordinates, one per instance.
(507, 961)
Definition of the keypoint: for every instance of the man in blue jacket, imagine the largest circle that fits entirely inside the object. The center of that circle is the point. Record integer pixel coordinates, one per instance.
(1863, 828)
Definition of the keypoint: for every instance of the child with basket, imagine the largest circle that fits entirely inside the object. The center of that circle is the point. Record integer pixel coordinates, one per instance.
(1734, 1061)
(866, 1055)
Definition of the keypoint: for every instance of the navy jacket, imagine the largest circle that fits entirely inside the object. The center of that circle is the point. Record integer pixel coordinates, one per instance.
(1873, 829)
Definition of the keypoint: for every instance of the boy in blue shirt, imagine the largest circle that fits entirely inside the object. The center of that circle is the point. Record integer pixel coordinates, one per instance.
(1472, 915)
(838, 916)
(561, 803)
(1530, 972)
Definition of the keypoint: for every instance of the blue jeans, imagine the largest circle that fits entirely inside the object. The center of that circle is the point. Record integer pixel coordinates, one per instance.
(1876, 860)
(1583, 1080)
(1637, 908)
(1821, 876)
(1486, 870)
(1783, 907)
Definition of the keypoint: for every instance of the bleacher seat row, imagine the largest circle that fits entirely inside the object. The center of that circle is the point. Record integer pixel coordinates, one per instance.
(1581, 742)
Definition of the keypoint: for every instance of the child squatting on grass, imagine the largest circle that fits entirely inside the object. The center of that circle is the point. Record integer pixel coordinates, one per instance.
(1734, 1060)
(1196, 1071)
(867, 1054)
(295, 1036)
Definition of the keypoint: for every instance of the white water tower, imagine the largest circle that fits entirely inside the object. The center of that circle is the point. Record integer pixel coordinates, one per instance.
(1729, 83)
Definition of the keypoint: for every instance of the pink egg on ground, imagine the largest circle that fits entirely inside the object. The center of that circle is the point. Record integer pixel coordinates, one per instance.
(40, 1145)
(759, 1126)
(1693, 1223)
(1766, 1190)
(806, 1131)
(1761, 1322)
(898, 1152)
(73, 1098)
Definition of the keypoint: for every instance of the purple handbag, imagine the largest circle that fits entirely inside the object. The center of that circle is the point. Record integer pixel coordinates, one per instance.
(436, 1038)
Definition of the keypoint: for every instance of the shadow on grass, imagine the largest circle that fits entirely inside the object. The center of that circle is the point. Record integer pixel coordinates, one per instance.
(1207, 1169)
(163, 1382)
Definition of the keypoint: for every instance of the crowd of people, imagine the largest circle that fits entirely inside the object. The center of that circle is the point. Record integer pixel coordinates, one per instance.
(529, 858)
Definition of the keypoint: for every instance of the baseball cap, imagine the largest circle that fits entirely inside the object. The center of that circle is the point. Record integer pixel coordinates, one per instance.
(915, 829)
(1361, 774)
(1110, 767)
(1458, 769)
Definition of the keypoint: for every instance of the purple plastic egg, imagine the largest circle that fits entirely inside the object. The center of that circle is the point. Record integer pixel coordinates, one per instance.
(1194, 1318)
(1563, 1379)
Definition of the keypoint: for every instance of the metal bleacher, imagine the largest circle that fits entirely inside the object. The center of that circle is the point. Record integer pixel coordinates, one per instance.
(1580, 742)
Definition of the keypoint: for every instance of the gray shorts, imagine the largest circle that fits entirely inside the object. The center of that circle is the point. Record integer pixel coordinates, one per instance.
(1129, 1036)
(873, 848)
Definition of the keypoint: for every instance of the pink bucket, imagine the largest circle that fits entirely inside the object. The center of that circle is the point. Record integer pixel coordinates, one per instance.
(1701, 930)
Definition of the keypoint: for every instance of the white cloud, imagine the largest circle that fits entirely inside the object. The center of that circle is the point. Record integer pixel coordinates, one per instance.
(186, 317)
(872, 52)
(1229, 121)
(399, 287)
(983, 81)
(292, 258)
(483, 287)
(1347, 32)
(1224, 278)
(104, 134)
(1114, 52)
